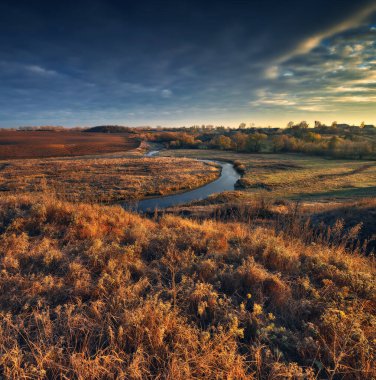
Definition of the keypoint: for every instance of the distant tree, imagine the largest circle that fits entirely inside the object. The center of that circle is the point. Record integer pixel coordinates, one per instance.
(290, 124)
(175, 144)
(221, 142)
(285, 143)
(317, 124)
(333, 144)
(279, 143)
(254, 142)
(298, 130)
(362, 124)
(312, 137)
(239, 141)
(242, 126)
(187, 139)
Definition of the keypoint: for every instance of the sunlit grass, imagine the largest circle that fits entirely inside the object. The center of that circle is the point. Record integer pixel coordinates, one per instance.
(88, 291)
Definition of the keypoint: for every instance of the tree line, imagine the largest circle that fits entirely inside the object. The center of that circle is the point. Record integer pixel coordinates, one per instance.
(341, 141)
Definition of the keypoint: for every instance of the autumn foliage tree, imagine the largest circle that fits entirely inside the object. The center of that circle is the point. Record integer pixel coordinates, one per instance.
(221, 142)
(254, 142)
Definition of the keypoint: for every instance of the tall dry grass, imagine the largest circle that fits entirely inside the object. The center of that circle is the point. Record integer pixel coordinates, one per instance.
(94, 292)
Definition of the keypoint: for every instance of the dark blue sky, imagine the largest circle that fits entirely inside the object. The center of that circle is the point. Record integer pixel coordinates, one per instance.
(185, 62)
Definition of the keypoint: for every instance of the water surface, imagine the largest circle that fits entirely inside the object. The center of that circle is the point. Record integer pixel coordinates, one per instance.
(226, 182)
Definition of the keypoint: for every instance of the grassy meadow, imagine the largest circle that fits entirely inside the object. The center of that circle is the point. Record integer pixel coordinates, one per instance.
(296, 176)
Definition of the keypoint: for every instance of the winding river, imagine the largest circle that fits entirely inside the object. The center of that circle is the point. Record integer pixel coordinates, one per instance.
(226, 182)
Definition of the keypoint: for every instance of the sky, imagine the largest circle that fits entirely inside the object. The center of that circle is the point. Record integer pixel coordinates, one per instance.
(186, 62)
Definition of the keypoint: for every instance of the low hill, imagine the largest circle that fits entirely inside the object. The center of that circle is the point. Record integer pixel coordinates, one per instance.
(109, 129)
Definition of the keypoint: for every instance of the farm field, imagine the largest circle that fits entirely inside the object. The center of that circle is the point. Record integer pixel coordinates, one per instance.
(33, 144)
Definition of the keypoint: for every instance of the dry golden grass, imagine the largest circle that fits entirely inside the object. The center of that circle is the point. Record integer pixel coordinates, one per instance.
(94, 292)
(105, 179)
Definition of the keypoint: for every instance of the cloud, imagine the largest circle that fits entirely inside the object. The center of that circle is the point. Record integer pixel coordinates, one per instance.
(272, 99)
(272, 72)
(340, 76)
(314, 41)
(18, 68)
(356, 99)
(122, 62)
(349, 88)
(310, 43)
(166, 93)
(313, 108)
(326, 80)
(40, 70)
(286, 101)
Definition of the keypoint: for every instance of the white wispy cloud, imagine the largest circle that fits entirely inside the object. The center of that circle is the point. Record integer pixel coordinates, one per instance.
(349, 88)
(355, 99)
(166, 93)
(20, 68)
(39, 70)
(289, 101)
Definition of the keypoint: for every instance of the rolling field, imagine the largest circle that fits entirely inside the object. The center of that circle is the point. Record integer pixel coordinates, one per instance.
(33, 144)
